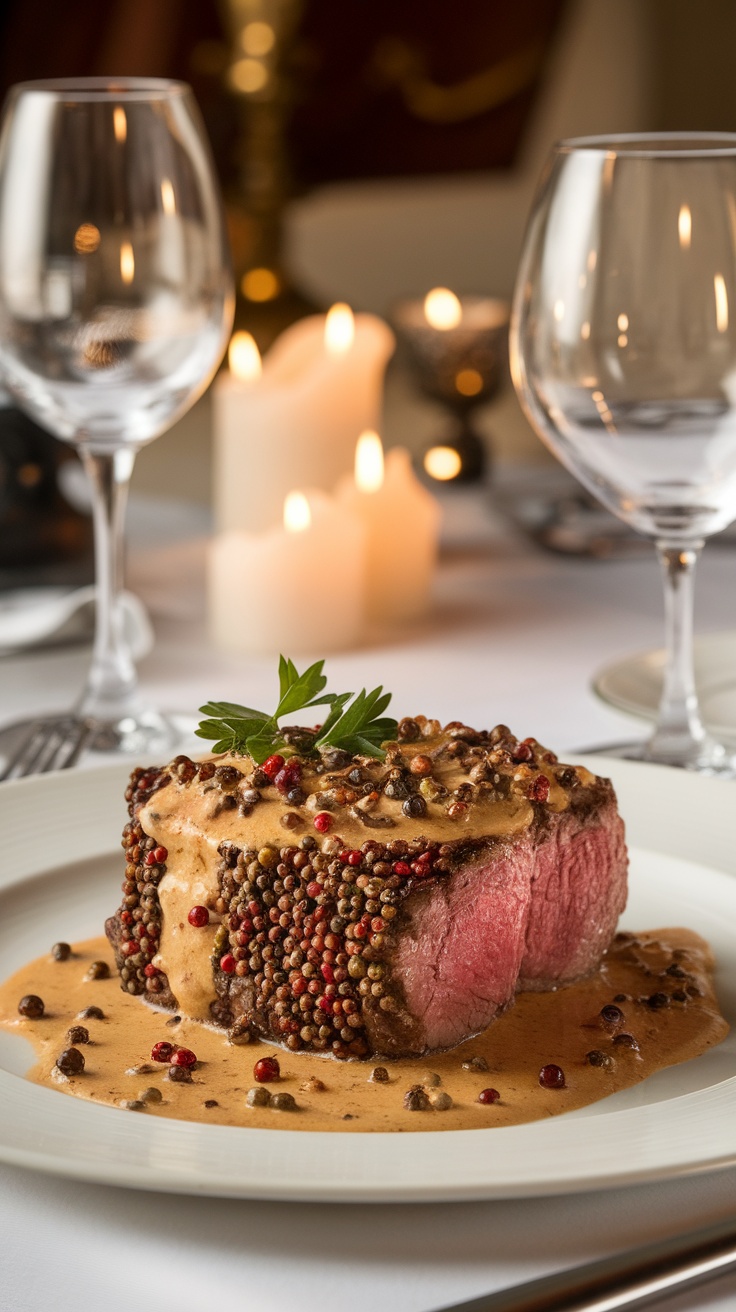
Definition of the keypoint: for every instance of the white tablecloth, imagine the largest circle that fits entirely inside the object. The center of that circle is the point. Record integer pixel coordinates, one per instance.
(515, 637)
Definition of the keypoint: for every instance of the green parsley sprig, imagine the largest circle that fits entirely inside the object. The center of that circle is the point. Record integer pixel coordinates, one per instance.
(355, 723)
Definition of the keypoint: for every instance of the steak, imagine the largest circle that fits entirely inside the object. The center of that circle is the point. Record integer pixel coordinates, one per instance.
(435, 885)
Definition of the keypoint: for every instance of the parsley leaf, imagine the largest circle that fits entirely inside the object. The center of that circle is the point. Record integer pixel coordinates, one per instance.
(354, 724)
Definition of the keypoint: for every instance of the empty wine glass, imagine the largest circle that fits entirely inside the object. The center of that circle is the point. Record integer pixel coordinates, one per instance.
(623, 353)
(115, 306)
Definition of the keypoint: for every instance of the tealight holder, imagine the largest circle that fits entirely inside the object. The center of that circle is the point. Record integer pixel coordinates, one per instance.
(457, 348)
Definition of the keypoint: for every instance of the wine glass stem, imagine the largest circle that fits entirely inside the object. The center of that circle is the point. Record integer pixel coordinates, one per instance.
(679, 736)
(110, 689)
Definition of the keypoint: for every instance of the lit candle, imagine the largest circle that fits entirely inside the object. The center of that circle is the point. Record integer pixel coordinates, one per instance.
(296, 421)
(296, 587)
(402, 521)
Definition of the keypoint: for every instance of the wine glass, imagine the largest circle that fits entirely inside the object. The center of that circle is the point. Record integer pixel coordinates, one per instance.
(115, 306)
(623, 353)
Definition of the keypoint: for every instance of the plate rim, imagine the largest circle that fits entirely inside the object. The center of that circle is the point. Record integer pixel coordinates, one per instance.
(157, 1139)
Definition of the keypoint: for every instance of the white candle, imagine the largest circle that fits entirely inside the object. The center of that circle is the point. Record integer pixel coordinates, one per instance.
(402, 521)
(296, 423)
(296, 587)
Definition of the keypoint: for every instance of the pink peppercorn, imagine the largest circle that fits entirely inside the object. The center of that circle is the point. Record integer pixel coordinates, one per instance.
(323, 822)
(183, 1057)
(552, 1077)
(539, 789)
(488, 1095)
(228, 963)
(162, 1051)
(272, 765)
(199, 916)
(266, 1070)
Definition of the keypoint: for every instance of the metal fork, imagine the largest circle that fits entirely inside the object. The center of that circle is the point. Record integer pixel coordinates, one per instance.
(54, 742)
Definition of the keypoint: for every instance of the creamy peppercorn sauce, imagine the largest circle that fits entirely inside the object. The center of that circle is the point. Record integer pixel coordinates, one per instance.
(189, 825)
(660, 983)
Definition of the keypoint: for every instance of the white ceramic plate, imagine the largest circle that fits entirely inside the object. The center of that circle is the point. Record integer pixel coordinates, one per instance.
(635, 684)
(60, 876)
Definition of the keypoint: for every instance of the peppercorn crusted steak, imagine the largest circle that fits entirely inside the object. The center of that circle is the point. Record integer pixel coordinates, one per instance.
(347, 905)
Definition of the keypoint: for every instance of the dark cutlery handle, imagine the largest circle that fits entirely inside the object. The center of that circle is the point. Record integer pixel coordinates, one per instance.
(631, 1279)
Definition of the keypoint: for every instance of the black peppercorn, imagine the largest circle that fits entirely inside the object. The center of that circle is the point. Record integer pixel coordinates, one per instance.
(179, 1074)
(379, 1075)
(598, 1058)
(61, 951)
(70, 1061)
(98, 970)
(31, 1006)
(414, 806)
(78, 1034)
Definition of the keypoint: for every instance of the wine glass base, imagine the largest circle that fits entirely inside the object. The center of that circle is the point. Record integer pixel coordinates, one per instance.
(714, 759)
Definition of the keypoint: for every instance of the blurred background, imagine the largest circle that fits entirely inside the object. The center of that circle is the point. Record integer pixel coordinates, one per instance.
(366, 153)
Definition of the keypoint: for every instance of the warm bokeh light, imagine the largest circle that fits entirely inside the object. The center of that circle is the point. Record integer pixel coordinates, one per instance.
(168, 200)
(469, 382)
(297, 515)
(623, 323)
(119, 124)
(685, 226)
(257, 38)
(585, 331)
(127, 262)
(86, 239)
(442, 463)
(248, 75)
(369, 462)
(719, 286)
(558, 311)
(339, 329)
(260, 284)
(244, 358)
(442, 309)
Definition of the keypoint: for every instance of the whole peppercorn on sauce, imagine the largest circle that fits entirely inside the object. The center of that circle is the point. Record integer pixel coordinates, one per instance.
(654, 989)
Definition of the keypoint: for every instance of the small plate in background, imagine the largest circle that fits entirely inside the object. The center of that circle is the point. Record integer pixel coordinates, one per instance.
(634, 684)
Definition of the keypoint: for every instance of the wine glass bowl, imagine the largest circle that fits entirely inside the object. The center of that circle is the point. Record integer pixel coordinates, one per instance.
(461, 366)
(115, 303)
(623, 353)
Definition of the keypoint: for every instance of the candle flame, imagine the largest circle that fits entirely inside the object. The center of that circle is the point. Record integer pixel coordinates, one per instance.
(719, 285)
(442, 463)
(119, 124)
(168, 199)
(127, 262)
(442, 309)
(244, 358)
(339, 329)
(369, 462)
(297, 515)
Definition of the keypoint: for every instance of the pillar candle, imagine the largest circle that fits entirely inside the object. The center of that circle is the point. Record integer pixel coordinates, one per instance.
(296, 424)
(402, 521)
(295, 587)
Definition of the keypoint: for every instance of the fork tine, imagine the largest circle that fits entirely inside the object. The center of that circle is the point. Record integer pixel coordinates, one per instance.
(54, 743)
(74, 743)
(24, 757)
